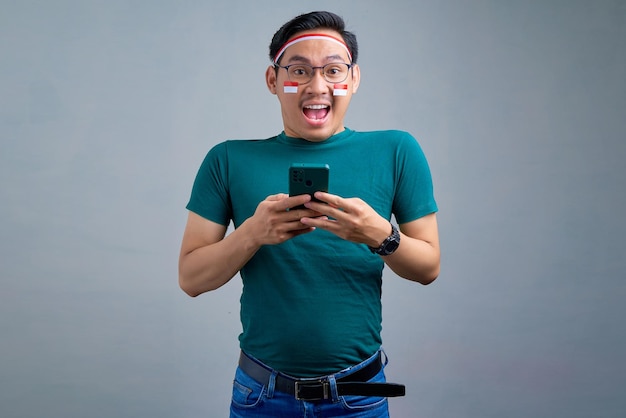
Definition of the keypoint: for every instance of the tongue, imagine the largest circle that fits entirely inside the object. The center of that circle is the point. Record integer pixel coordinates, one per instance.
(316, 113)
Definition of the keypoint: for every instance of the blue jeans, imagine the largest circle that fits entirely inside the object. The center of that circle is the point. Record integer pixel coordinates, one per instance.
(253, 399)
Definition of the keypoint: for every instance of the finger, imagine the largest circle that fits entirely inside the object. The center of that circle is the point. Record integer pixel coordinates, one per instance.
(318, 220)
(331, 199)
(297, 214)
(293, 201)
(303, 231)
(276, 197)
(297, 228)
(328, 209)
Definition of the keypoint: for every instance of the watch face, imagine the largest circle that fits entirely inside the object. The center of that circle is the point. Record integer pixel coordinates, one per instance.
(391, 247)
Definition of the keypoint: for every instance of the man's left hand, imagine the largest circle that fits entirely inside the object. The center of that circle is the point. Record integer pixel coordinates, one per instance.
(349, 218)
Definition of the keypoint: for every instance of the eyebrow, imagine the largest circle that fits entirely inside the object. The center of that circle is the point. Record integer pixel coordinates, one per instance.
(300, 58)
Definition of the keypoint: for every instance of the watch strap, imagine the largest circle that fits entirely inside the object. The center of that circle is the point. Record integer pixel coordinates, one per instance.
(390, 244)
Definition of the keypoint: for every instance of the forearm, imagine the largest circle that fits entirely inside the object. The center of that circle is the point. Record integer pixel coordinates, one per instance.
(415, 260)
(417, 257)
(211, 266)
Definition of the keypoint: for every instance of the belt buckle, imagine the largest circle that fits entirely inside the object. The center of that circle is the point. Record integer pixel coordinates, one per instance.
(325, 386)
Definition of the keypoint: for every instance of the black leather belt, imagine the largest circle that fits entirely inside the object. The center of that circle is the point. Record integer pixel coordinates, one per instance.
(319, 388)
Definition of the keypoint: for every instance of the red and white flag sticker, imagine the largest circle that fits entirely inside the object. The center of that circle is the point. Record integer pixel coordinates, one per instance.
(340, 90)
(290, 87)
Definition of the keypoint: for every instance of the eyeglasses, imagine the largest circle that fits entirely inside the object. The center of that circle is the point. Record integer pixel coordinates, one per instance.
(335, 72)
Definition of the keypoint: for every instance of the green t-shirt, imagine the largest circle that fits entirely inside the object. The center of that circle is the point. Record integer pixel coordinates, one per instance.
(312, 305)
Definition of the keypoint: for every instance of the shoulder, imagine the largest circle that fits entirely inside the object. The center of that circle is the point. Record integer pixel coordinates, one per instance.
(389, 134)
(393, 138)
(243, 143)
(239, 145)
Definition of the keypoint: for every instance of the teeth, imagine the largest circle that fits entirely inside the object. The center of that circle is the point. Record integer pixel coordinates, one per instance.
(316, 106)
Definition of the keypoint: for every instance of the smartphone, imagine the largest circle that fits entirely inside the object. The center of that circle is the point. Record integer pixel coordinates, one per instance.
(308, 178)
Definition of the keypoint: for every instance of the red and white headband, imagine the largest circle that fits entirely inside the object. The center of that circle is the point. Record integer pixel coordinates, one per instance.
(311, 36)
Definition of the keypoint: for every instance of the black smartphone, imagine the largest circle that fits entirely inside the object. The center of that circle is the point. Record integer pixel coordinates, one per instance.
(308, 178)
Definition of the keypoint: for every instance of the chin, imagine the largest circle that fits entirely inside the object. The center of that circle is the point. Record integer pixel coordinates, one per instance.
(319, 134)
(317, 137)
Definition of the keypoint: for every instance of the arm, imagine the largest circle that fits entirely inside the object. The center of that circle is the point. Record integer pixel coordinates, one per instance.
(209, 259)
(418, 256)
(416, 259)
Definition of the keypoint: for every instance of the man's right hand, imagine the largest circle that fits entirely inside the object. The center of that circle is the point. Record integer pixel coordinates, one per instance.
(209, 258)
(275, 219)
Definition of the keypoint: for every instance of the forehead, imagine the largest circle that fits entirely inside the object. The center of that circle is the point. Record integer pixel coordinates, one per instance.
(316, 48)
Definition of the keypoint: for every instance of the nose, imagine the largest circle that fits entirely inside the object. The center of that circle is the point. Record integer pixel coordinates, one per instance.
(318, 84)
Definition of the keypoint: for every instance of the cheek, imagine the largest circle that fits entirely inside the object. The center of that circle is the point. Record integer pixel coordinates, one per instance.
(341, 106)
(290, 110)
(289, 102)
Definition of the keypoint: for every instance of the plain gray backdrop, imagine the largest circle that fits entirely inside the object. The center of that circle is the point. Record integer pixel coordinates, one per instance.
(108, 107)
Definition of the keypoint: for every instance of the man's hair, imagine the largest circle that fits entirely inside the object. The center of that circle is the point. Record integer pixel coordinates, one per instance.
(313, 20)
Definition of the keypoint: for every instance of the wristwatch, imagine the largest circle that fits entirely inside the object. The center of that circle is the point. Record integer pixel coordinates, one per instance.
(390, 244)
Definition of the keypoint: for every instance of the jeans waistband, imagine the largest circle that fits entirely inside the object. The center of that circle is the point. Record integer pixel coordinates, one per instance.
(352, 381)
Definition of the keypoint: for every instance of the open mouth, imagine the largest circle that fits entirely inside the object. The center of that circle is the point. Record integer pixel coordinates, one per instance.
(316, 112)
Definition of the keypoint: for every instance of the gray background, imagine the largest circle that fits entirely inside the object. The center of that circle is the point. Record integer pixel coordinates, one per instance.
(108, 108)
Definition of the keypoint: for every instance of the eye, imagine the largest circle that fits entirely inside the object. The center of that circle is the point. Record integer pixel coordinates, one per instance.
(333, 70)
(299, 70)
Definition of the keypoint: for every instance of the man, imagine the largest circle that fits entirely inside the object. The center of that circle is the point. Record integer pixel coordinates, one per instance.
(311, 269)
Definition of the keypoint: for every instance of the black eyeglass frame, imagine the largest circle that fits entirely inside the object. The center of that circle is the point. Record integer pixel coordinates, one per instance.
(313, 68)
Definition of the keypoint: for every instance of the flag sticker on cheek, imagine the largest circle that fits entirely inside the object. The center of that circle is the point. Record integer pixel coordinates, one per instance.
(290, 87)
(340, 90)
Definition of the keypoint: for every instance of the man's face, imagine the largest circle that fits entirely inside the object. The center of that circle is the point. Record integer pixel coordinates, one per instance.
(313, 113)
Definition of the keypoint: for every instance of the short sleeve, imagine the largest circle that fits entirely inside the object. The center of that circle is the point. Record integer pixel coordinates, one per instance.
(209, 195)
(414, 197)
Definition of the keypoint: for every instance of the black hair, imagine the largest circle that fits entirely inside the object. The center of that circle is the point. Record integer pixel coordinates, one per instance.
(314, 20)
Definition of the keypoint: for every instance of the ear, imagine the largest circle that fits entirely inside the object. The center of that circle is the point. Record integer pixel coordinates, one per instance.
(270, 79)
(356, 78)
